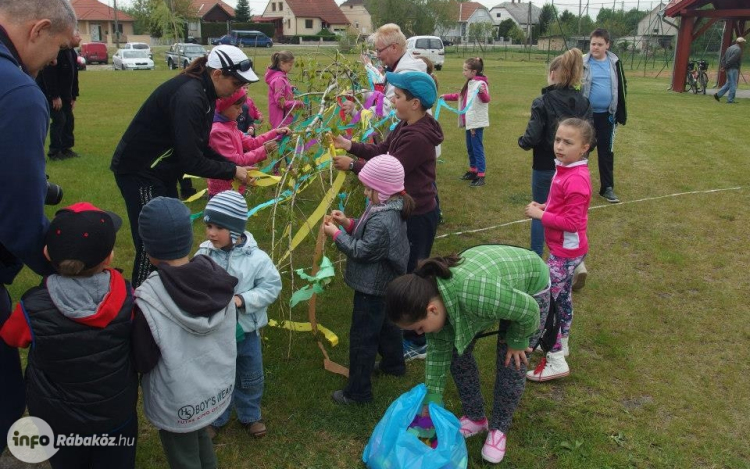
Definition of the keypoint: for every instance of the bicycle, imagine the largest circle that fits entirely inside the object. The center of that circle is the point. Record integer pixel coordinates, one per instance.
(697, 78)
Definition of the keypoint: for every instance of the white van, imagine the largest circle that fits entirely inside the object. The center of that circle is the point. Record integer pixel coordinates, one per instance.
(427, 46)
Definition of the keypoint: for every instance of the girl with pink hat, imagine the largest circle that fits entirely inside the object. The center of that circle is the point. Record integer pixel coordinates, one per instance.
(377, 251)
(232, 144)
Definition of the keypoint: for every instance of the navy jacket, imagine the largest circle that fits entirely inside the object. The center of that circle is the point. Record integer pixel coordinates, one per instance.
(61, 80)
(23, 184)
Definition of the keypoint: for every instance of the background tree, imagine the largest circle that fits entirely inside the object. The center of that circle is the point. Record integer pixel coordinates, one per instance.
(480, 32)
(547, 19)
(242, 12)
(504, 28)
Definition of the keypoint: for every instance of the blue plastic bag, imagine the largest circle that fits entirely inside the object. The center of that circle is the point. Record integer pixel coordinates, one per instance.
(392, 447)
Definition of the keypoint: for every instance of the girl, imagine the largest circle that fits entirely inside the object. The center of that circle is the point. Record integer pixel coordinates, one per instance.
(377, 250)
(558, 101)
(476, 95)
(413, 143)
(227, 140)
(258, 285)
(251, 118)
(453, 299)
(280, 94)
(564, 217)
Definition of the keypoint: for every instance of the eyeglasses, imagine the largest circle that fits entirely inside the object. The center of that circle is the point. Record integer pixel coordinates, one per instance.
(380, 51)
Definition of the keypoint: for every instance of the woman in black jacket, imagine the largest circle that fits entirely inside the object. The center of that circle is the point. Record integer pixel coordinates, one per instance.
(559, 101)
(168, 137)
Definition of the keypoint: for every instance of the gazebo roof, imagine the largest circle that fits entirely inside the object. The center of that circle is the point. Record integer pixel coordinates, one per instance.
(722, 8)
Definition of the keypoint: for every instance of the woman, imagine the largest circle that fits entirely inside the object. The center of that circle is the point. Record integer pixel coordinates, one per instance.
(168, 137)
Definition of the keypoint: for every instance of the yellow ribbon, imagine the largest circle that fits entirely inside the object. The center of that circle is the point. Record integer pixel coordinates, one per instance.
(330, 336)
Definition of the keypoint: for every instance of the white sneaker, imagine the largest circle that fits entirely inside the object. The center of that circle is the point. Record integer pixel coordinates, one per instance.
(565, 349)
(553, 366)
(579, 276)
(494, 447)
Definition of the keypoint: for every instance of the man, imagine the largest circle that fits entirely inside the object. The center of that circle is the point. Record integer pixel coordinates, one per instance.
(390, 47)
(730, 62)
(605, 87)
(60, 83)
(32, 32)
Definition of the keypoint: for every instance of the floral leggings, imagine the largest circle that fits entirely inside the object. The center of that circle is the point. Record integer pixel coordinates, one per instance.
(561, 279)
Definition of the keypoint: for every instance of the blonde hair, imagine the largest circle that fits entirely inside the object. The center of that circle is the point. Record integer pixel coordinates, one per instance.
(389, 34)
(76, 268)
(282, 56)
(568, 68)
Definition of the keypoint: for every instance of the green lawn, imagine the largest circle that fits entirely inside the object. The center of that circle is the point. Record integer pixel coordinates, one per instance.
(658, 373)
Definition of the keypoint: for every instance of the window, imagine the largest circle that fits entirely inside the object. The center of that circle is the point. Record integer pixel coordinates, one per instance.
(499, 15)
(281, 6)
(288, 23)
(273, 7)
(308, 24)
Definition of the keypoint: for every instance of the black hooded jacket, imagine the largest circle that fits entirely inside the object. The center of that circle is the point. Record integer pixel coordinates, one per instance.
(554, 105)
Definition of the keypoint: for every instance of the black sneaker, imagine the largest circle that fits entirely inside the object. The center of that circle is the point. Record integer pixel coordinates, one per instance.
(69, 153)
(479, 181)
(56, 155)
(469, 176)
(717, 97)
(339, 398)
(609, 195)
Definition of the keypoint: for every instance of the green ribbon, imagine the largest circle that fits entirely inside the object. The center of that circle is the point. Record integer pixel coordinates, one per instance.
(317, 282)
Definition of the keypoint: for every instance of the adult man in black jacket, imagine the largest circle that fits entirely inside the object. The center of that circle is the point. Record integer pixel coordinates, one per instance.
(59, 83)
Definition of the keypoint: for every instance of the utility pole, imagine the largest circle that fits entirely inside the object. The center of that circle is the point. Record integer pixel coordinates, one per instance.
(528, 26)
(117, 27)
(579, 16)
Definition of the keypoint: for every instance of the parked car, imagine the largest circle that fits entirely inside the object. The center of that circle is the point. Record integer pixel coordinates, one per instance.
(95, 52)
(81, 63)
(181, 54)
(427, 46)
(132, 59)
(447, 42)
(244, 39)
(139, 46)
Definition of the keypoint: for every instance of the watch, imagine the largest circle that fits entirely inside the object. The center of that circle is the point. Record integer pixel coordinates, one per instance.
(351, 165)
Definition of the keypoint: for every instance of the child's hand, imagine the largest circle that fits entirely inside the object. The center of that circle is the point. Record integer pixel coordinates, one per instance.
(270, 146)
(330, 229)
(237, 301)
(339, 218)
(341, 142)
(534, 210)
(284, 131)
(516, 356)
(348, 106)
(473, 133)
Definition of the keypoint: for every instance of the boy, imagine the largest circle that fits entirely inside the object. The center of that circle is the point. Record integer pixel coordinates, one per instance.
(80, 378)
(183, 336)
(235, 250)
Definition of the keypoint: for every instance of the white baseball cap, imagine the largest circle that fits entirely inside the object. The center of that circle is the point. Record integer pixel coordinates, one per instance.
(232, 59)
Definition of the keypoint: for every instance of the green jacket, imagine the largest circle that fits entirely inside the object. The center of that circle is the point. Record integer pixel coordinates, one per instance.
(491, 284)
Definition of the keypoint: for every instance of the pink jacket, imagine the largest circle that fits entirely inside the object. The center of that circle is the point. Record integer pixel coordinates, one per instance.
(236, 147)
(566, 215)
(278, 88)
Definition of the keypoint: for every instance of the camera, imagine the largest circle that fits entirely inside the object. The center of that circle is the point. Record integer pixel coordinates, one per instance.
(54, 193)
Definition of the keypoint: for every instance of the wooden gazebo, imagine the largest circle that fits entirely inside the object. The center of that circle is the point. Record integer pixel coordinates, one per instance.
(695, 21)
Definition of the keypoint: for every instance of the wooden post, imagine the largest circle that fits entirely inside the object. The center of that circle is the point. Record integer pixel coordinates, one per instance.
(682, 56)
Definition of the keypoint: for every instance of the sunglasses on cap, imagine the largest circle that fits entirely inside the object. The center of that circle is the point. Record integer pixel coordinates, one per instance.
(229, 66)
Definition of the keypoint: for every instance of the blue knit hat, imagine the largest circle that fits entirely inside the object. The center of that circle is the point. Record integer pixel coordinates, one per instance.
(165, 228)
(228, 210)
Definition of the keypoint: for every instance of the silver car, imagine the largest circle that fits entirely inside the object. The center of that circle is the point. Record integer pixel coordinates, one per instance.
(132, 59)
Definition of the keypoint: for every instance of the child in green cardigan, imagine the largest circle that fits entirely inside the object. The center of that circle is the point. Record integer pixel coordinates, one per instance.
(453, 299)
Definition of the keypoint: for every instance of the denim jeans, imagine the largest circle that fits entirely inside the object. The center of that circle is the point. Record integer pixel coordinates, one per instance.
(733, 74)
(541, 181)
(475, 148)
(371, 333)
(248, 385)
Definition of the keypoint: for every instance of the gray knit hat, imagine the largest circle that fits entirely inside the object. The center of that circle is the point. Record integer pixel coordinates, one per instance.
(165, 228)
(228, 210)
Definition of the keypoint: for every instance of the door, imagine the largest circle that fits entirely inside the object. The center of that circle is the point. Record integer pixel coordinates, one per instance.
(96, 32)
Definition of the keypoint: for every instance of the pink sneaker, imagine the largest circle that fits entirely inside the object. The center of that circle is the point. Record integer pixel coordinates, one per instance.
(471, 427)
(494, 447)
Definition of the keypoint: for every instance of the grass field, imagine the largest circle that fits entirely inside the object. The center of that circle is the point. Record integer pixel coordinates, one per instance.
(659, 371)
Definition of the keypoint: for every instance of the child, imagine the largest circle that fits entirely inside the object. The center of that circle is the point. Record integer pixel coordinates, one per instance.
(235, 146)
(281, 100)
(376, 247)
(413, 142)
(564, 217)
(250, 117)
(473, 101)
(183, 336)
(258, 285)
(453, 299)
(80, 378)
(558, 101)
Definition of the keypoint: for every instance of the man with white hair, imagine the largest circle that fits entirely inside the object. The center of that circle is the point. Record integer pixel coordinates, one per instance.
(32, 32)
(730, 62)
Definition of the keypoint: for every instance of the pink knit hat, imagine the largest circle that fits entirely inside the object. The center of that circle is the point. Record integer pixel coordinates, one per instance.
(222, 104)
(384, 174)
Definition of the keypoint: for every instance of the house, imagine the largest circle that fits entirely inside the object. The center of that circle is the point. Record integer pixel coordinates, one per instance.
(304, 17)
(467, 13)
(360, 21)
(656, 33)
(516, 11)
(208, 11)
(96, 22)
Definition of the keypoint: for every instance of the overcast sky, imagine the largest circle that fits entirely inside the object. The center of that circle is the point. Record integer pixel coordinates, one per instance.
(257, 6)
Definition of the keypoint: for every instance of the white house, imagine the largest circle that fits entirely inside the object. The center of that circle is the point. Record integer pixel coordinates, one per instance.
(468, 13)
(516, 11)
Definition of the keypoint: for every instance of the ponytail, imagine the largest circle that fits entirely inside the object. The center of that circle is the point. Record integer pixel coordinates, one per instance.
(568, 68)
(409, 205)
(407, 296)
(282, 56)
